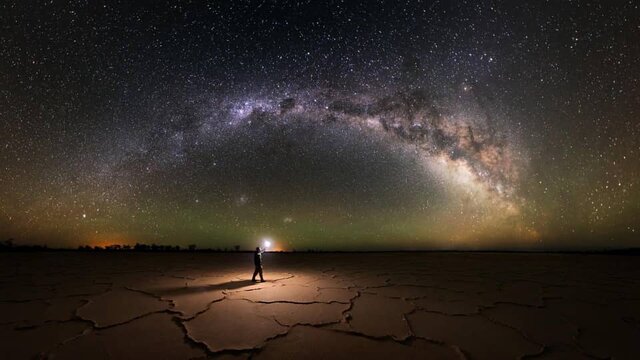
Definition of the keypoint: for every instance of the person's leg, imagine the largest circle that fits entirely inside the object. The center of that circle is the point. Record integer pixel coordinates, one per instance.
(255, 272)
(261, 278)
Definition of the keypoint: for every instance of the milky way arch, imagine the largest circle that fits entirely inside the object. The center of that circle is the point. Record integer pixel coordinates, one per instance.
(454, 135)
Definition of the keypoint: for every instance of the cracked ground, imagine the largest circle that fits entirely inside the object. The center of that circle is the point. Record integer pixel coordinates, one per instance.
(328, 306)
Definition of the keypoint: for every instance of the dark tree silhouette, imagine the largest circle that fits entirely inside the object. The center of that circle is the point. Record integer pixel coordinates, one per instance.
(7, 244)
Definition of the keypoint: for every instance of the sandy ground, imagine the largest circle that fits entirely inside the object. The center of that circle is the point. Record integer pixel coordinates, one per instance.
(319, 306)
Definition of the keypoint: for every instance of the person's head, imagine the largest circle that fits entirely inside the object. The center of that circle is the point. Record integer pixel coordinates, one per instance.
(258, 248)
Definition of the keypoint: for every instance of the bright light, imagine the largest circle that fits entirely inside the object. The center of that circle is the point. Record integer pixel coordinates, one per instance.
(266, 243)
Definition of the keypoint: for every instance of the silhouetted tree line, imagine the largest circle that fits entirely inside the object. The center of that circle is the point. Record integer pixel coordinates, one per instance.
(153, 248)
(136, 247)
(9, 245)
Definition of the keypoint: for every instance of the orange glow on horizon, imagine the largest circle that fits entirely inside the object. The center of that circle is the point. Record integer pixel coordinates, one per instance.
(104, 240)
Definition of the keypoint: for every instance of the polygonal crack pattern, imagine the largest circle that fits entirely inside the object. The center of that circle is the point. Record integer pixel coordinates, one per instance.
(404, 305)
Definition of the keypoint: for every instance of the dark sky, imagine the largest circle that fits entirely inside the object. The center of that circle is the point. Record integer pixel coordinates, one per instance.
(325, 124)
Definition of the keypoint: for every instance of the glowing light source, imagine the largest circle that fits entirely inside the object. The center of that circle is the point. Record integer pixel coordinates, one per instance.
(266, 243)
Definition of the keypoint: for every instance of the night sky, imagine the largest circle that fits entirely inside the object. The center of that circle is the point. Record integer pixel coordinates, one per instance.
(325, 124)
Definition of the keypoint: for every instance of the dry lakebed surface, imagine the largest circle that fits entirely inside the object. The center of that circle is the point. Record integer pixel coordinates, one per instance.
(438, 305)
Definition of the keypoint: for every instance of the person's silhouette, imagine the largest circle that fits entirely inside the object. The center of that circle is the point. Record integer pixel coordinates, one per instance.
(257, 261)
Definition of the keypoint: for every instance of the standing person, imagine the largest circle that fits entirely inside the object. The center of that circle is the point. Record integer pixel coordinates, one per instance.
(257, 261)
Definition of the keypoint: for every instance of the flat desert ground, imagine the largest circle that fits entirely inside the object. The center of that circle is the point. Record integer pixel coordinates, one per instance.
(69, 305)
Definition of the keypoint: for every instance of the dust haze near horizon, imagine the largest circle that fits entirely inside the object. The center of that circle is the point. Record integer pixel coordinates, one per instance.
(325, 125)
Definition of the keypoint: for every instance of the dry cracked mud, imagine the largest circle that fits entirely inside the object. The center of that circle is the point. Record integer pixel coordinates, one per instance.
(327, 306)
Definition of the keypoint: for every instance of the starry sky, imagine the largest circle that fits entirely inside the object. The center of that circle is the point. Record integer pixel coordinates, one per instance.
(321, 124)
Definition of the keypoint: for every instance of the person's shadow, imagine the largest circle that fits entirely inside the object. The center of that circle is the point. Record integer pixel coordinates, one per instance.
(229, 285)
